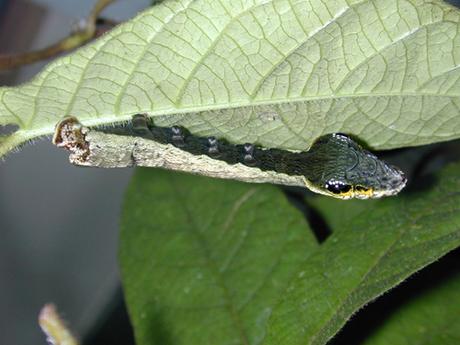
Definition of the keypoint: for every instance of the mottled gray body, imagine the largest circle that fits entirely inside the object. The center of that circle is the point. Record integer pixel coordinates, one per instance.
(334, 165)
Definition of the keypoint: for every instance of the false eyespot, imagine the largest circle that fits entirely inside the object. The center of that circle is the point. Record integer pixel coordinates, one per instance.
(334, 165)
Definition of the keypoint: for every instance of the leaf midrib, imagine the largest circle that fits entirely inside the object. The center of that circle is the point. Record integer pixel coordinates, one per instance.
(252, 95)
(212, 267)
(95, 121)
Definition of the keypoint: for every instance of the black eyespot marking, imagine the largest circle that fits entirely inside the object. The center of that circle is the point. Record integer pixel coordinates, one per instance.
(213, 147)
(177, 136)
(248, 156)
(361, 189)
(337, 187)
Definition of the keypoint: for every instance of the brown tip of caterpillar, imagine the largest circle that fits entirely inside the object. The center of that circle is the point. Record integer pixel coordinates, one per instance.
(70, 134)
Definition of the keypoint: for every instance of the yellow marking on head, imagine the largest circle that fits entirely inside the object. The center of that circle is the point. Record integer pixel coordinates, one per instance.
(346, 195)
(361, 192)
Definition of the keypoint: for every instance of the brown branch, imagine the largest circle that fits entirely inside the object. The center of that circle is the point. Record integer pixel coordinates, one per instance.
(75, 40)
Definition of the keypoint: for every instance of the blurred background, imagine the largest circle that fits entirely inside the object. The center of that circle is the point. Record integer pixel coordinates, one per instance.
(59, 223)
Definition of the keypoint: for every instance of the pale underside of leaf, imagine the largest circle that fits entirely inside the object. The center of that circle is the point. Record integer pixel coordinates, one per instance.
(275, 72)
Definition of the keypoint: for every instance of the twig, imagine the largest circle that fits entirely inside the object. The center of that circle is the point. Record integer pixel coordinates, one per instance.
(82, 35)
(54, 328)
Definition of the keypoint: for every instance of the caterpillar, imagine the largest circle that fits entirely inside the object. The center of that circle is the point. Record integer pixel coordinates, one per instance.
(334, 165)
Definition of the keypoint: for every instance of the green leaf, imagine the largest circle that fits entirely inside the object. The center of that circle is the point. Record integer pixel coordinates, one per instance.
(431, 318)
(335, 212)
(276, 72)
(203, 261)
(380, 247)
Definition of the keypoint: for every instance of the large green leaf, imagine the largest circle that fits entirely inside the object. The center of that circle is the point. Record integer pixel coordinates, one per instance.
(430, 318)
(380, 247)
(276, 72)
(218, 262)
(203, 261)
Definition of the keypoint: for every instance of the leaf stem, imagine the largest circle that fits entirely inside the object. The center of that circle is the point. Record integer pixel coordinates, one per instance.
(54, 328)
(77, 38)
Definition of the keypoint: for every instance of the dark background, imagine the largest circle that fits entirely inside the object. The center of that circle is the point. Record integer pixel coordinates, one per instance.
(58, 223)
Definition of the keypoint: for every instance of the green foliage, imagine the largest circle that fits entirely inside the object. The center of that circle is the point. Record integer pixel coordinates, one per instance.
(430, 318)
(377, 248)
(217, 262)
(203, 260)
(276, 72)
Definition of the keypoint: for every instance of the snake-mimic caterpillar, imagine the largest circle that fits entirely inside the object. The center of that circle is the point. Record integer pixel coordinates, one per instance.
(334, 165)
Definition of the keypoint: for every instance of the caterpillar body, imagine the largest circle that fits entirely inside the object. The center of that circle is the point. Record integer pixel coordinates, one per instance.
(334, 165)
